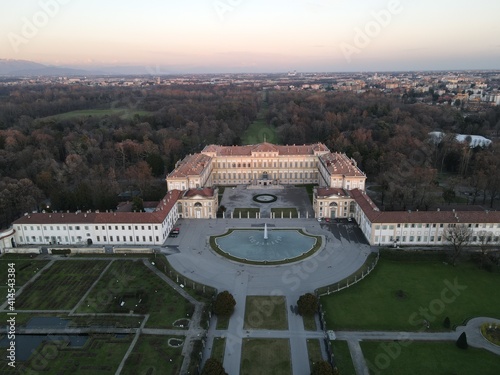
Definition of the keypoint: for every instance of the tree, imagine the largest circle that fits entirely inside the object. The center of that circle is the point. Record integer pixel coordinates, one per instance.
(224, 304)
(485, 237)
(213, 367)
(449, 195)
(322, 368)
(462, 341)
(458, 235)
(307, 304)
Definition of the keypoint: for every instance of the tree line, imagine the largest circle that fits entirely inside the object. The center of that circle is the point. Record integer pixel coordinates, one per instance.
(53, 160)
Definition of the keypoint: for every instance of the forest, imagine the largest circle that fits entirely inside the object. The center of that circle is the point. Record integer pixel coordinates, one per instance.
(65, 147)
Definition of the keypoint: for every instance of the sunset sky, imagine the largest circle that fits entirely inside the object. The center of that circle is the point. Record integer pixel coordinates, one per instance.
(254, 35)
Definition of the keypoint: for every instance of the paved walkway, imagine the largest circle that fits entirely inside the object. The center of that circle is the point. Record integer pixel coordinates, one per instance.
(343, 254)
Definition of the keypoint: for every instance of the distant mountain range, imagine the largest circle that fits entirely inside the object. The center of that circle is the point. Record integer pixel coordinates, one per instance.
(23, 68)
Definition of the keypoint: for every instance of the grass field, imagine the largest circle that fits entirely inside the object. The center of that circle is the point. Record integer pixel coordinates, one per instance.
(393, 295)
(245, 213)
(265, 356)
(218, 349)
(266, 312)
(61, 286)
(424, 358)
(285, 213)
(153, 355)
(25, 265)
(314, 351)
(343, 360)
(128, 286)
(309, 323)
(259, 130)
(124, 113)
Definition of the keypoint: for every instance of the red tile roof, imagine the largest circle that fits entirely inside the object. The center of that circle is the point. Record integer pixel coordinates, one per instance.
(328, 192)
(340, 164)
(161, 211)
(205, 192)
(191, 165)
(266, 147)
(425, 217)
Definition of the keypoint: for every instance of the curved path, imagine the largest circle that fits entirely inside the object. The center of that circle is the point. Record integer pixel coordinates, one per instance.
(340, 256)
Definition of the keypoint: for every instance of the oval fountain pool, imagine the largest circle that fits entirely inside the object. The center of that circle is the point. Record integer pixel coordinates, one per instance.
(265, 246)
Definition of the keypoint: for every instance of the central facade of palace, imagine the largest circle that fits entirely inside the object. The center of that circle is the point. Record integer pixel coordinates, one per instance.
(266, 164)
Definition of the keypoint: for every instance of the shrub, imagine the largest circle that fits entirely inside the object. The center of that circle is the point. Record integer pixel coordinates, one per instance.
(447, 323)
(224, 304)
(462, 341)
(307, 304)
(213, 367)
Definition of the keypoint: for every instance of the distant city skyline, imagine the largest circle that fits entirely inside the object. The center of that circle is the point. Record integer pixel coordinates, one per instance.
(254, 36)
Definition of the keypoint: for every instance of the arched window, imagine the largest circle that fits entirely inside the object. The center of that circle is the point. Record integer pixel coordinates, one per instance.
(197, 204)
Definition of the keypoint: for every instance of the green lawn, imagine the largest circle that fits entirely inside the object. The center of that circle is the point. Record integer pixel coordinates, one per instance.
(223, 322)
(343, 360)
(285, 213)
(428, 358)
(61, 286)
(26, 266)
(259, 130)
(124, 113)
(245, 213)
(153, 355)
(314, 351)
(266, 312)
(218, 349)
(140, 291)
(265, 356)
(398, 295)
(309, 323)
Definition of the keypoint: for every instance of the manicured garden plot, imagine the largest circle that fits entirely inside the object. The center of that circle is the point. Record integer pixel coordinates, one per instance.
(25, 267)
(309, 323)
(265, 356)
(218, 349)
(61, 286)
(424, 358)
(130, 287)
(343, 359)
(266, 312)
(100, 355)
(314, 351)
(392, 296)
(153, 355)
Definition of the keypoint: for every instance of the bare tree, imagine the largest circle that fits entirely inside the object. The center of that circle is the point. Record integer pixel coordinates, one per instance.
(458, 235)
(485, 239)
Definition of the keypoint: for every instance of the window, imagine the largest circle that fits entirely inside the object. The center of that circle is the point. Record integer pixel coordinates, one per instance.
(98, 238)
(110, 238)
(130, 227)
(131, 239)
(77, 227)
(116, 227)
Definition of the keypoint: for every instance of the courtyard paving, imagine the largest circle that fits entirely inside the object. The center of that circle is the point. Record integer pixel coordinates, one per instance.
(344, 252)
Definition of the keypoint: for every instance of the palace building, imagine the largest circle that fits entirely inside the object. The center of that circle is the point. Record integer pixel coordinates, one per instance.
(193, 194)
